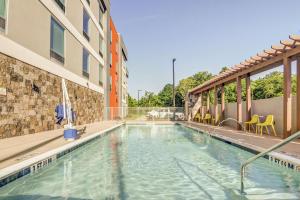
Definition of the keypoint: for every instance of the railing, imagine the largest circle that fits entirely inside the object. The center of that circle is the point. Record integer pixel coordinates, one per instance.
(250, 160)
(145, 113)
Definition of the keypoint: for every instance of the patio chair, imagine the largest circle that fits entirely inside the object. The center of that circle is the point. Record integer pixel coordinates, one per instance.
(254, 120)
(215, 121)
(207, 118)
(197, 117)
(269, 122)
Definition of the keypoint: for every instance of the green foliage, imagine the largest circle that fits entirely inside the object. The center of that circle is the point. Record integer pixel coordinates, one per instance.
(267, 87)
(166, 95)
(271, 86)
(132, 102)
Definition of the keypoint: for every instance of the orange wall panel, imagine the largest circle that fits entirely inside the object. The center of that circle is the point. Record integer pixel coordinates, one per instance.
(114, 71)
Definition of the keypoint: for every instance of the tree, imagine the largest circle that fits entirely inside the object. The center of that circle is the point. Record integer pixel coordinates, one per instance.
(266, 87)
(166, 95)
(132, 102)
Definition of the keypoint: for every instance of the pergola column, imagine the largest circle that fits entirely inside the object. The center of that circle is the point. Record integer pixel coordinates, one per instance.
(248, 98)
(287, 98)
(207, 102)
(222, 102)
(239, 101)
(216, 103)
(298, 94)
(186, 106)
(201, 104)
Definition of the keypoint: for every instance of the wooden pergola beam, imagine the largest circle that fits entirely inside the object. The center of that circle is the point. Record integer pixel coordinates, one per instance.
(289, 43)
(272, 52)
(295, 37)
(280, 48)
(272, 61)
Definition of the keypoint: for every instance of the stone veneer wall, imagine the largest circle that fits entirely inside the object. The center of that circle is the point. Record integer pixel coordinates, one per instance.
(24, 110)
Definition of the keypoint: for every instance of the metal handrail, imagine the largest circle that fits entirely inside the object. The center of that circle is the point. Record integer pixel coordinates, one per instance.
(250, 160)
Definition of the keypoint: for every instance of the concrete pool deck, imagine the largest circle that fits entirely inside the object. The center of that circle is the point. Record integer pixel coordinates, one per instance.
(17, 149)
(251, 140)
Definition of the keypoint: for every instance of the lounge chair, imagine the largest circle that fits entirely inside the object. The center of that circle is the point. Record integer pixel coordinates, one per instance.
(197, 117)
(215, 121)
(207, 118)
(269, 122)
(254, 120)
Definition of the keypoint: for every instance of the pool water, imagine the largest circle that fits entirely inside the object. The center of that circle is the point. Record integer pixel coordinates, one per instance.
(155, 162)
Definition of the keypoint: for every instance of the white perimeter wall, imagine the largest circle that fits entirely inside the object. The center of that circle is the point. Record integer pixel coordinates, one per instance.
(273, 106)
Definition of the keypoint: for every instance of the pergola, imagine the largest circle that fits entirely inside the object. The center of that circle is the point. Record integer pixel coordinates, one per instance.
(281, 54)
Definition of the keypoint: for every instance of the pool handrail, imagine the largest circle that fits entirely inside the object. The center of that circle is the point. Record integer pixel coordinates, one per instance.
(250, 160)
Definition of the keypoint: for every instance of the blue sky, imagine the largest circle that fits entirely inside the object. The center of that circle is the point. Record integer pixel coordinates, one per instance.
(203, 35)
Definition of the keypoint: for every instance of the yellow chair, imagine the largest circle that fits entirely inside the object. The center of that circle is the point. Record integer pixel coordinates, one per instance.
(215, 121)
(269, 122)
(254, 120)
(197, 117)
(207, 118)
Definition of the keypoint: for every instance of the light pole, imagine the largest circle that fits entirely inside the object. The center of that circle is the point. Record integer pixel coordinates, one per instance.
(173, 61)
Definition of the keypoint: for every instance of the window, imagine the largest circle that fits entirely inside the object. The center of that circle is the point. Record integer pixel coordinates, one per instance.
(101, 46)
(102, 10)
(61, 4)
(2, 14)
(101, 75)
(57, 41)
(85, 63)
(86, 19)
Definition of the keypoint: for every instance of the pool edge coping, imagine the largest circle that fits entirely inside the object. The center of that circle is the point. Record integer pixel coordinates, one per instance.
(277, 157)
(19, 167)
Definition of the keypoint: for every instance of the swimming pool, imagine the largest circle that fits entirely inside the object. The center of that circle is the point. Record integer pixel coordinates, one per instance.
(155, 162)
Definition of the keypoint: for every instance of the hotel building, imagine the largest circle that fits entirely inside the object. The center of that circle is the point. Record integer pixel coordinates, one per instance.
(43, 42)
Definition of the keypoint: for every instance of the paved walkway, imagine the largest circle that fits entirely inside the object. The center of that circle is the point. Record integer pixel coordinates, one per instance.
(251, 140)
(17, 149)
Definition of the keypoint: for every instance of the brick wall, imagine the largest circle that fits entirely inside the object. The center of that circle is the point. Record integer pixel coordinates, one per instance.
(24, 110)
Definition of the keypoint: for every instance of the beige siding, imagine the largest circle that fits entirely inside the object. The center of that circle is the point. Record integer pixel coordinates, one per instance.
(30, 28)
(73, 58)
(95, 8)
(94, 36)
(74, 12)
(94, 70)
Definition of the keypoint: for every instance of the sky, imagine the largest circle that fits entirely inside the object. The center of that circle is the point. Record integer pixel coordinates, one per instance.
(203, 35)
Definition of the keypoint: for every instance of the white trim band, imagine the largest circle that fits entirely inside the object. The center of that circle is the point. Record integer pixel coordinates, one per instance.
(23, 54)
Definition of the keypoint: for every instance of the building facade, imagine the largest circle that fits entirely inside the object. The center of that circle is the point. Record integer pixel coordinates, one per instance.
(123, 83)
(43, 42)
(118, 75)
(114, 75)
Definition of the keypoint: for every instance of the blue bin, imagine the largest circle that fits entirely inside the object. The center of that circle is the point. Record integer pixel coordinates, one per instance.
(70, 134)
